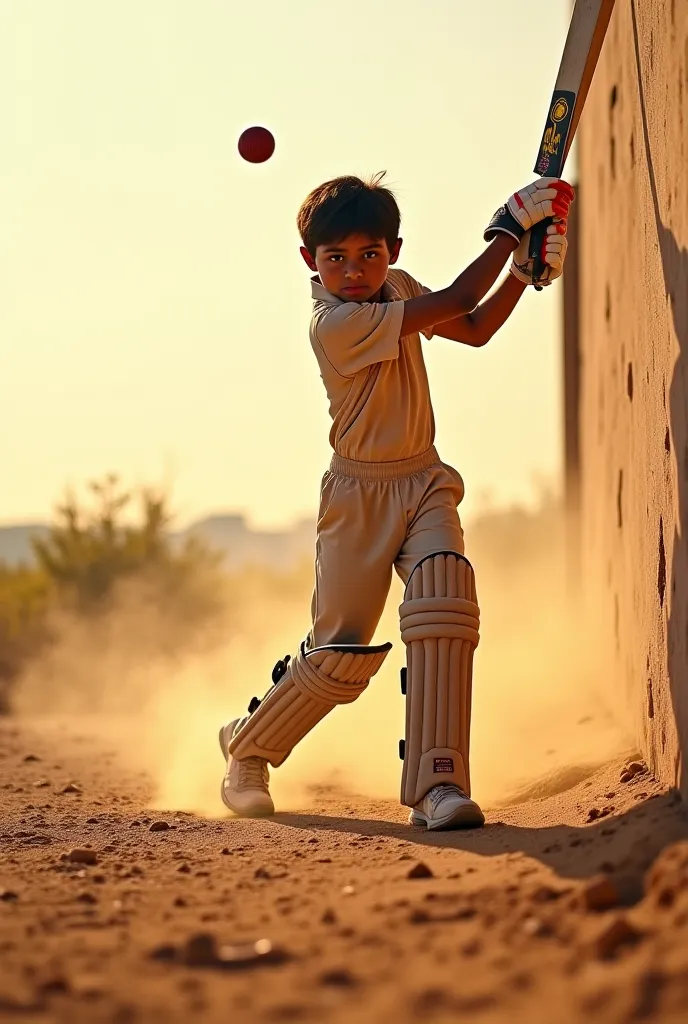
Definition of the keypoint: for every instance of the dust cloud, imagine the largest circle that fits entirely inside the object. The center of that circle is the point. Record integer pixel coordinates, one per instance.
(545, 708)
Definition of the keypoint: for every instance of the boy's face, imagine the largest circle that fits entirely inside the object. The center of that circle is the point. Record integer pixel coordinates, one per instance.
(354, 269)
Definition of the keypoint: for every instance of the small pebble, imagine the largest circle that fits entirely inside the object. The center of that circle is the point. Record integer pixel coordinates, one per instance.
(600, 894)
(545, 893)
(252, 954)
(614, 936)
(86, 897)
(165, 952)
(159, 826)
(7, 896)
(420, 870)
(348, 890)
(534, 927)
(595, 813)
(200, 951)
(338, 977)
(82, 855)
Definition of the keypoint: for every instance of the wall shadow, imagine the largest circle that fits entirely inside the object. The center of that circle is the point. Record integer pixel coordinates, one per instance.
(674, 260)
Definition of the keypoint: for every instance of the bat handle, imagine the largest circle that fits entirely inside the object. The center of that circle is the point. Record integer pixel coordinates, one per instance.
(538, 236)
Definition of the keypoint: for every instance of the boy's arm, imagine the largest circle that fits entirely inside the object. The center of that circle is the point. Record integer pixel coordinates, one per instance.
(477, 328)
(463, 295)
(546, 197)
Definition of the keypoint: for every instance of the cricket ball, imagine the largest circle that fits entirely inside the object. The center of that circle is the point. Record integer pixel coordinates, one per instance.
(256, 145)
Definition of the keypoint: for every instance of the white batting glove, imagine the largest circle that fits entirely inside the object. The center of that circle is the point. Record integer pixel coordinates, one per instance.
(546, 197)
(553, 256)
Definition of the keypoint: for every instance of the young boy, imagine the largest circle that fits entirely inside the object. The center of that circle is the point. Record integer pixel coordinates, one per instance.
(387, 501)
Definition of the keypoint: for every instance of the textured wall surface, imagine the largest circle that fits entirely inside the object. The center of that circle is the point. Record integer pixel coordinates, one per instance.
(634, 365)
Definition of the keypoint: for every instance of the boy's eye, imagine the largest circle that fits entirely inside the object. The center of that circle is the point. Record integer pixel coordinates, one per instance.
(372, 254)
(336, 257)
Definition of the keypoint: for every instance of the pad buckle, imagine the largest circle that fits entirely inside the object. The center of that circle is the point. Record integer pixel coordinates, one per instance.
(280, 668)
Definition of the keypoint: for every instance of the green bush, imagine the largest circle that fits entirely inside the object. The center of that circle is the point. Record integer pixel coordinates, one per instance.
(24, 595)
(99, 553)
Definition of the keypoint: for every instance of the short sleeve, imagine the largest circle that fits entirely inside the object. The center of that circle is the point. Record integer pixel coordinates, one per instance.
(354, 335)
(427, 332)
(414, 290)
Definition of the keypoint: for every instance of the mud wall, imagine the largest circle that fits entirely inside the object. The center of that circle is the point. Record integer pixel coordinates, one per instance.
(633, 375)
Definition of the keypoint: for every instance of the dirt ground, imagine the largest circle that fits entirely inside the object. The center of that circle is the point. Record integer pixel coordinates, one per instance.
(569, 908)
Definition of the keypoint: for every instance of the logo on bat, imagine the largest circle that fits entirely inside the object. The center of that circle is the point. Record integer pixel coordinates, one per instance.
(553, 144)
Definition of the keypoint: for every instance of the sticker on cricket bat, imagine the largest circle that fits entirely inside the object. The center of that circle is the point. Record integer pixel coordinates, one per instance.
(553, 146)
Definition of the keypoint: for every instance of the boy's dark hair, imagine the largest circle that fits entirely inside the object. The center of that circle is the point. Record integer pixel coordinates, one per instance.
(348, 206)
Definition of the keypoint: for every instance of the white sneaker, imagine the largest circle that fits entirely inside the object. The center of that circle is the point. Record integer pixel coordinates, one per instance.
(245, 785)
(447, 806)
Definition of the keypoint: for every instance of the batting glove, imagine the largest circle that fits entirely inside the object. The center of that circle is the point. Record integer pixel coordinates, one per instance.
(546, 197)
(553, 255)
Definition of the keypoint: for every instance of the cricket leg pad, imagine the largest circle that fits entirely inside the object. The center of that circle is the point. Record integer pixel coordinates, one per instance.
(305, 689)
(440, 622)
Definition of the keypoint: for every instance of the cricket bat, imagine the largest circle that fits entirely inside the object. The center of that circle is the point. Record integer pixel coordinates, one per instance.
(588, 28)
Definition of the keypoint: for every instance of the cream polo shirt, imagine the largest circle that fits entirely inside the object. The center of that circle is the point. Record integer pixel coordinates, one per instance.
(375, 380)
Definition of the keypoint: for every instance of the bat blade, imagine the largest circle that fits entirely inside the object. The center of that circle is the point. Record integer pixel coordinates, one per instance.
(587, 31)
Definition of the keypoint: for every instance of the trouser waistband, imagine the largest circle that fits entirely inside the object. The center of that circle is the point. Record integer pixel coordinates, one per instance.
(383, 470)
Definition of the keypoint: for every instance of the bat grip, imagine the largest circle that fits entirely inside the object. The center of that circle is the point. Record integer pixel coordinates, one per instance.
(538, 236)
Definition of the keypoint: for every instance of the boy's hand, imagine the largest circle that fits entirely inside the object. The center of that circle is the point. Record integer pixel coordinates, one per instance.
(553, 256)
(546, 197)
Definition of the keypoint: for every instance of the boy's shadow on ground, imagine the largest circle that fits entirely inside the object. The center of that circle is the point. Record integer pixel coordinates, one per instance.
(628, 843)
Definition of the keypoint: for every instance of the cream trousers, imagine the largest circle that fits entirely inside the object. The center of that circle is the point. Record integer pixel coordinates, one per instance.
(376, 516)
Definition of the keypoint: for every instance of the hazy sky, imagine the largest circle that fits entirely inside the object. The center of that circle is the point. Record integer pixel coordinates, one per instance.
(153, 305)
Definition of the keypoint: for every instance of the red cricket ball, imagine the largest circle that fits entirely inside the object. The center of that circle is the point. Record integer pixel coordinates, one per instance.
(256, 145)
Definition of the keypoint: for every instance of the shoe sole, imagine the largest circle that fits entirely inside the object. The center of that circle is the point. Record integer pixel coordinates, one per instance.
(463, 817)
(225, 737)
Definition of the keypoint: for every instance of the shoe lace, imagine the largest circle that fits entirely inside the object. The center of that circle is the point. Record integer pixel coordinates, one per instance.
(253, 774)
(437, 793)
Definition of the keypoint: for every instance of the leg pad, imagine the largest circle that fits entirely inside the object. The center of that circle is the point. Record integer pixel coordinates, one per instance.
(440, 622)
(306, 689)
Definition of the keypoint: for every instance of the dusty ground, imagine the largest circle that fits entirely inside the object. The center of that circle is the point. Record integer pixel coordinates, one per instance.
(570, 908)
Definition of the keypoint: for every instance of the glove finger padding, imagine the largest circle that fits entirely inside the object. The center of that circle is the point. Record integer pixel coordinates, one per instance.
(546, 197)
(306, 689)
(440, 626)
(551, 257)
